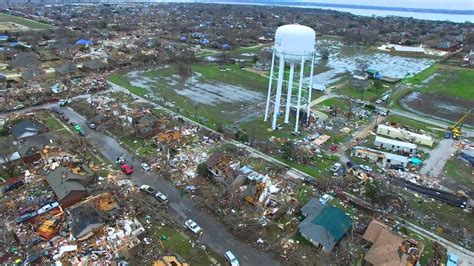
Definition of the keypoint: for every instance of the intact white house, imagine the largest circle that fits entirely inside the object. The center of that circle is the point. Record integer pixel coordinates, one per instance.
(395, 145)
(402, 134)
(379, 157)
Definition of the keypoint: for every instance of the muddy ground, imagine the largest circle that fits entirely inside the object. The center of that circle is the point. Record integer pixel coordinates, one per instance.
(438, 105)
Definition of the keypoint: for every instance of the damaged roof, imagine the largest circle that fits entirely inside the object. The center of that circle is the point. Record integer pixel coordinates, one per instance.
(63, 182)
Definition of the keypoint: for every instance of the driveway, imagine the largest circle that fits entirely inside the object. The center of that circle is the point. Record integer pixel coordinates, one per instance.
(215, 235)
(438, 157)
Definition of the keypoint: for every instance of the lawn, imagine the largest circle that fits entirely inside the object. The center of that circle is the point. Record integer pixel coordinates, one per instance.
(371, 94)
(179, 243)
(460, 172)
(53, 123)
(124, 82)
(25, 22)
(137, 145)
(337, 102)
(304, 192)
(449, 80)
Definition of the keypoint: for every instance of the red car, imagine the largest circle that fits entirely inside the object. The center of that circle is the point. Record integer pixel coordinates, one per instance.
(126, 169)
(53, 99)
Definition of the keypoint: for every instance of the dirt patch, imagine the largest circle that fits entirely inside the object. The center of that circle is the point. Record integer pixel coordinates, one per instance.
(438, 105)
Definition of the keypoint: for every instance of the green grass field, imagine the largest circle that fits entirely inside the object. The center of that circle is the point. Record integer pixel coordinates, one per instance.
(371, 94)
(460, 172)
(25, 22)
(449, 80)
(124, 82)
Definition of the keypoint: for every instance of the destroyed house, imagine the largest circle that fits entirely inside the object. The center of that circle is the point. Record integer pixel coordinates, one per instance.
(389, 248)
(30, 147)
(25, 129)
(68, 187)
(379, 157)
(222, 168)
(146, 126)
(84, 221)
(405, 135)
(324, 225)
(395, 145)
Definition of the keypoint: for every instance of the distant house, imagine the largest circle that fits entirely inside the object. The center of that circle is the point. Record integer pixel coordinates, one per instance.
(93, 65)
(223, 169)
(388, 248)
(66, 68)
(395, 145)
(324, 225)
(448, 46)
(25, 129)
(24, 60)
(408, 50)
(402, 134)
(379, 157)
(68, 187)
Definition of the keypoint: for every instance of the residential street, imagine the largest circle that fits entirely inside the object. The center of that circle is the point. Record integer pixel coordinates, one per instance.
(215, 235)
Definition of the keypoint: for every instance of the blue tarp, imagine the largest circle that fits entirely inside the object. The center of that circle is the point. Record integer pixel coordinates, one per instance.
(416, 161)
(83, 42)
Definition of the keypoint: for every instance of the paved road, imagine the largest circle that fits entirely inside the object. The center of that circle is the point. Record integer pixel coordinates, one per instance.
(215, 235)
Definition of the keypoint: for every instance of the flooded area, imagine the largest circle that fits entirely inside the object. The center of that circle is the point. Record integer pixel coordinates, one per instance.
(347, 59)
(446, 107)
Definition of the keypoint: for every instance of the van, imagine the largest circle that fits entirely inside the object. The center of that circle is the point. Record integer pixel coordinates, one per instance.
(231, 259)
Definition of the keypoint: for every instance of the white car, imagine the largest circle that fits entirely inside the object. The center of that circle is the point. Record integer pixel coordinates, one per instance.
(325, 198)
(161, 197)
(145, 167)
(365, 168)
(231, 258)
(148, 189)
(335, 167)
(193, 226)
(48, 207)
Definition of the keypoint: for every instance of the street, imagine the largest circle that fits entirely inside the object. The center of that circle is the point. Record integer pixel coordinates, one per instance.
(215, 235)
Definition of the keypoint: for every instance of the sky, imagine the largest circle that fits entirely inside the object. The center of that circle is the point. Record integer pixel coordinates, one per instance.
(435, 4)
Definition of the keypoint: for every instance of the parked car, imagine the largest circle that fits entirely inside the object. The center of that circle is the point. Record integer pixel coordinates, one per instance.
(57, 110)
(325, 198)
(25, 217)
(145, 167)
(77, 128)
(13, 186)
(63, 102)
(73, 124)
(397, 167)
(161, 197)
(48, 207)
(27, 210)
(148, 189)
(126, 169)
(366, 168)
(92, 126)
(82, 133)
(65, 117)
(193, 226)
(335, 167)
(229, 256)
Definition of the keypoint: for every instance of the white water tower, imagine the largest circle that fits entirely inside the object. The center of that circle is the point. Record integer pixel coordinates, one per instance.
(294, 45)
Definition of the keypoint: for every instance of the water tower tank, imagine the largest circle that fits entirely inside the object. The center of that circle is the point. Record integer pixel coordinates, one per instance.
(294, 41)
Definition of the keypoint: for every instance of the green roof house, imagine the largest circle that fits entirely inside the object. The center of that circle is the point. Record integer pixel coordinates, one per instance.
(324, 225)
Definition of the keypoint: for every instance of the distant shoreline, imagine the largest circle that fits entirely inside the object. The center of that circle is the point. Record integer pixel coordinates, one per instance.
(364, 7)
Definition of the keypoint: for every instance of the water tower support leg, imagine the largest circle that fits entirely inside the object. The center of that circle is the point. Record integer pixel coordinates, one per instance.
(300, 87)
(288, 96)
(310, 90)
(281, 71)
(269, 87)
